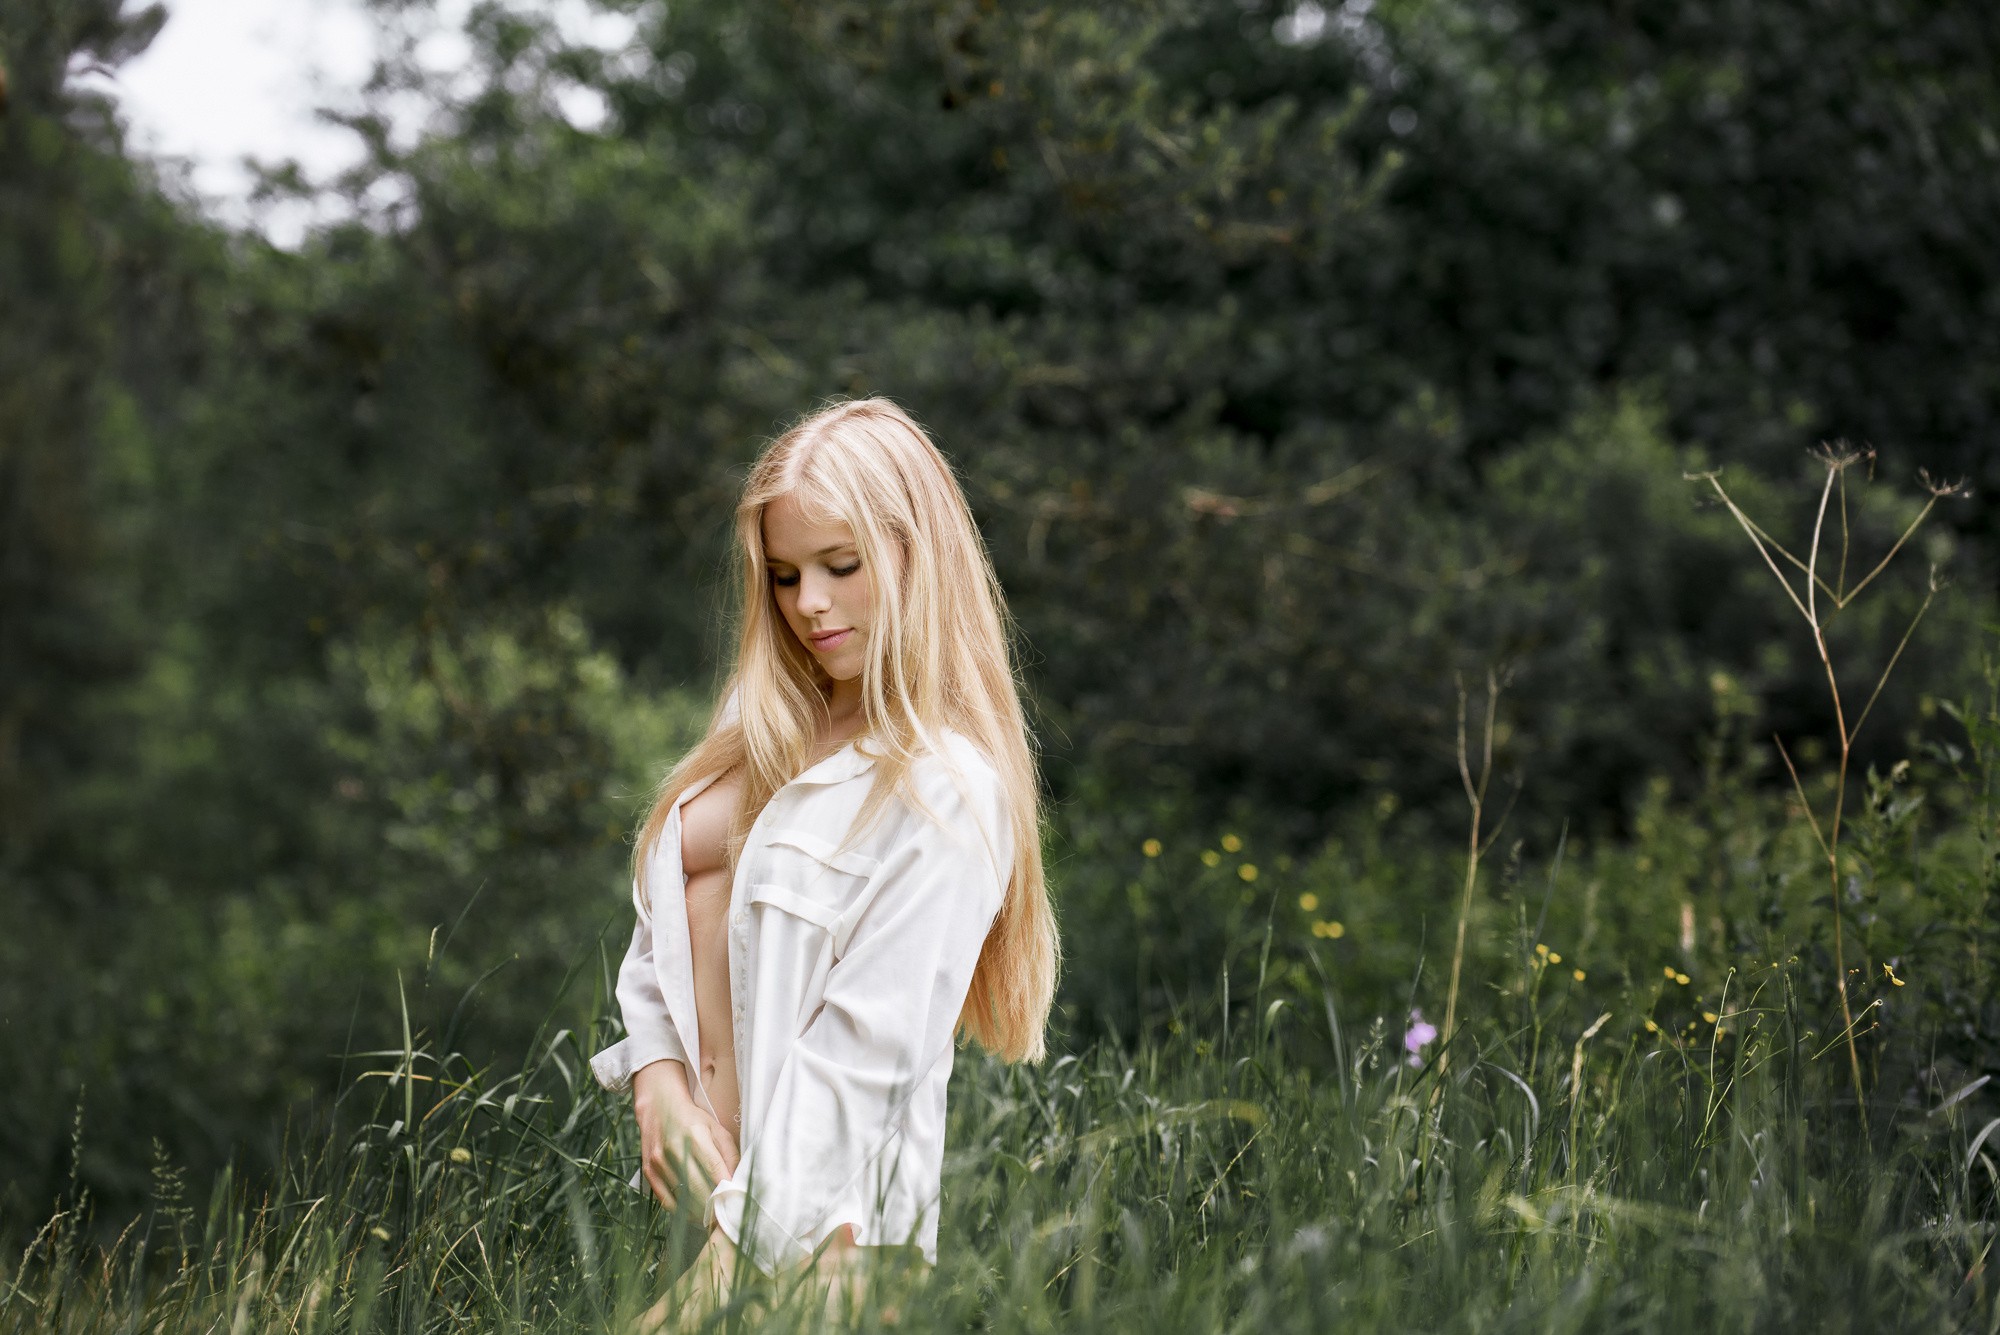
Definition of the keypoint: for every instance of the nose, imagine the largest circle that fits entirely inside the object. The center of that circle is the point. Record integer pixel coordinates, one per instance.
(814, 596)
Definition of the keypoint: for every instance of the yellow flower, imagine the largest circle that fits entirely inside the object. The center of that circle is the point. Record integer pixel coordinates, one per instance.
(1231, 844)
(1209, 857)
(1892, 975)
(1708, 1016)
(1332, 931)
(1652, 1028)
(1541, 950)
(1681, 978)
(460, 1154)
(1248, 871)
(1555, 958)
(1576, 974)
(1308, 901)
(1670, 973)
(1151, 848)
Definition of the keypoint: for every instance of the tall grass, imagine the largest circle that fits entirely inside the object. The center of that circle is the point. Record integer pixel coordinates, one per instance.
(1818, 600)
(1571, 1177)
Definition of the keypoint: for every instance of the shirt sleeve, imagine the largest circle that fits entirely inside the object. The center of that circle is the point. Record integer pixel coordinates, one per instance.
(891, 1005)
(649, 1033)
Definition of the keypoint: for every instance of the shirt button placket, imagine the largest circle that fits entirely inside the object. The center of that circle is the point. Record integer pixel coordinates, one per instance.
(739, 930)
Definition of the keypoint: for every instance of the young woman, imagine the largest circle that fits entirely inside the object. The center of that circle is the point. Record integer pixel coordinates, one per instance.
(845, 873)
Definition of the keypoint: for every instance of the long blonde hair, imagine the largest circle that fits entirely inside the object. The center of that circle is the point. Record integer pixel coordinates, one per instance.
(939, 657)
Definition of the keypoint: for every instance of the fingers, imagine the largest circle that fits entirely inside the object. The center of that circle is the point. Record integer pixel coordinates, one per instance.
(726, 1145)
(660, 1175)
(668, 1150)
(701, 1142)
(681, 1148)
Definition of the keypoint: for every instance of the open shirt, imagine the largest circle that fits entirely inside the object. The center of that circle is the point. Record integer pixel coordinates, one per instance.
(850, 955)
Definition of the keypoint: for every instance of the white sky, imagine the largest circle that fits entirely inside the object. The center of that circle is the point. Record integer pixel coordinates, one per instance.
(227, 79)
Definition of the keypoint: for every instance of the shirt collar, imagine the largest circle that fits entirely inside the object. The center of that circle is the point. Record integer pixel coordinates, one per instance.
(842, 765)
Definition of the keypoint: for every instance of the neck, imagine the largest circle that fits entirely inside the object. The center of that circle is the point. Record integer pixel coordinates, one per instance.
(843, 709)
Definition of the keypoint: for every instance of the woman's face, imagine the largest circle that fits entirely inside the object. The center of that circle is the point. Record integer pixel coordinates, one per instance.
(816, 575)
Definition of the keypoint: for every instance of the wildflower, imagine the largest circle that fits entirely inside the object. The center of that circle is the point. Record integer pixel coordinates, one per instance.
(1308, 901)
(1209, 857)
(1151, 848)
(460, 1154)
(1670, 971)
(1248, 871)
(1708, 1017)
(1420, 1035)
(1681, 978)
(1555, 958)
(379, 1233)
(1892, 975)
(1652, 1028)
(1576, 974)
(1332, 931)
(1541, 950)
(1231, 844)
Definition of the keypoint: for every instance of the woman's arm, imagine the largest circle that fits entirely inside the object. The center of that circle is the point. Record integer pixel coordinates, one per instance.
(889, 1009)
(649, 1033)
(651, 1061)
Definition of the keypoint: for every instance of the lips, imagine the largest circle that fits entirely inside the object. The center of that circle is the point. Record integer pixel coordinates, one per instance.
(826, 641)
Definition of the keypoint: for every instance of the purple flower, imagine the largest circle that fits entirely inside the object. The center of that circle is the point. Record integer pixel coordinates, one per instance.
(1418, 1036)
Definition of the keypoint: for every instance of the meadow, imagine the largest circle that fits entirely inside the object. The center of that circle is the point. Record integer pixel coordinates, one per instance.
(1647, 1120)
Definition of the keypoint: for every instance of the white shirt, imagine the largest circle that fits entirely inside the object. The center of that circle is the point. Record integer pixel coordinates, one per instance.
(848, 966)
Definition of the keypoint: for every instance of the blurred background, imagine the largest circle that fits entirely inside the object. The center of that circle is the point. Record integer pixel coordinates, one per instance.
(363, 507)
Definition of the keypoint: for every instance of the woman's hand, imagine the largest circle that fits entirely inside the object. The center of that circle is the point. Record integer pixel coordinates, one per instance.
(675, 1132)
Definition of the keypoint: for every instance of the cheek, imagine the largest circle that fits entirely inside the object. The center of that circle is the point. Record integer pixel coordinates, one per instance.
(787, 601)
(860, 602)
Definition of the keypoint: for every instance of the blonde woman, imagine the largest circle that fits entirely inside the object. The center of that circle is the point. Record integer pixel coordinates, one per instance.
(844, 874)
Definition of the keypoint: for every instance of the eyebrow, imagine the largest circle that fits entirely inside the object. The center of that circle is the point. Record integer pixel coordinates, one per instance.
(837, 547)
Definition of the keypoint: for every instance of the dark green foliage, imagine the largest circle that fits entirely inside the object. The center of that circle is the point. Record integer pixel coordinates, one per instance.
(87, 271)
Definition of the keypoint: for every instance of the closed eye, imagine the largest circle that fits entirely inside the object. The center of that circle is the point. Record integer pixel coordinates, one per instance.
(786, 581)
